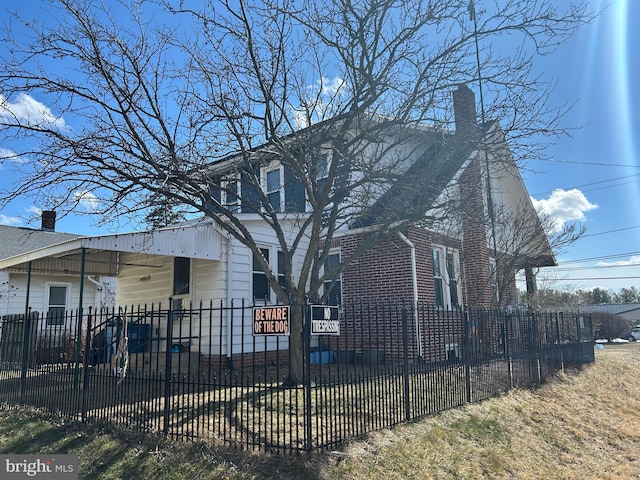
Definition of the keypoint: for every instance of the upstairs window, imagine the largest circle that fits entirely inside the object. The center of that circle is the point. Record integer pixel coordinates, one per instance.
(274, 188)
(231, 194)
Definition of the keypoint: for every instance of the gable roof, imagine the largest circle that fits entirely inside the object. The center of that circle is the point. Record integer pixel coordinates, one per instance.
(17, 240)
(424, 180)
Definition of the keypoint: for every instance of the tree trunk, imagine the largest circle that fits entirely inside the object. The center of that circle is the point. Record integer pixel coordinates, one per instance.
(297, 346)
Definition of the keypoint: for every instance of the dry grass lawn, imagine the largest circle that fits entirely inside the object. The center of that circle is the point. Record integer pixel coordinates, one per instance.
(580, 425)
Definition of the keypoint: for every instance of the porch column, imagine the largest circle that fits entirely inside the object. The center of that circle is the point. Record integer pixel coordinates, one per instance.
(532, 288)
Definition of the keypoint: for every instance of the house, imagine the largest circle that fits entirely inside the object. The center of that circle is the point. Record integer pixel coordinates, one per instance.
(470, 258)
(465, 258)
(46, 293)
(628, 311)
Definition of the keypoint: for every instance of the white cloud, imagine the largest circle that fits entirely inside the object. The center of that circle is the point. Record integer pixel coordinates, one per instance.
(564, 206)
(10, 221)
(26, 109)
(10, 156)
(332, 86)
(323, 97)
(87, 200)
(34, 211)
(632, 261)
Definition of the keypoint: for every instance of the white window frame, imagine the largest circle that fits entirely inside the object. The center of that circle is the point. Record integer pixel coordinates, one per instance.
(274, 264)
(493, 280)
(264, 172)
(48, 305)
(446, 276)
(231, 205)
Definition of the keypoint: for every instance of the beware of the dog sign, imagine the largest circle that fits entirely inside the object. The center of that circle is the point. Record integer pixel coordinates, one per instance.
(271, 320)
(325, 320)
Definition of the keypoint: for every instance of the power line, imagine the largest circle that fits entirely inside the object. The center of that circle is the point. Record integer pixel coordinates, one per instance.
(595, 183)
(604, 257)
(595, 267)
(589, 163)
(610, 231)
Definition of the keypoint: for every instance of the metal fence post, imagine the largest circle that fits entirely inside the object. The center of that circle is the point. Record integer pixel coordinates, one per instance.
(87, 355)
(468, 352)
(507, 348)
(306, 365)
(405, 360)
(26, 340)
(168, 368)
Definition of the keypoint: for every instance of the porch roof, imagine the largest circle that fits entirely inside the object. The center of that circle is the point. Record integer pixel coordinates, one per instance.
(98, 255)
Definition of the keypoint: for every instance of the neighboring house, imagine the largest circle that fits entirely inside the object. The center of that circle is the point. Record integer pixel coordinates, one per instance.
(189, 263)
(50, 292)
(448, 266)
(628, 311)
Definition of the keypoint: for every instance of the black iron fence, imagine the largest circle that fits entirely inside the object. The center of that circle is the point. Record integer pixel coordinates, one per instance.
(203, 372)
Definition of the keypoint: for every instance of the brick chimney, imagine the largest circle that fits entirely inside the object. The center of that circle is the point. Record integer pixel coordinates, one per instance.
(48, 221)
(464, 109)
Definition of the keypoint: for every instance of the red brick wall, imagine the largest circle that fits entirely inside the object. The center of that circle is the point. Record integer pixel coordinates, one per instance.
(475, 254)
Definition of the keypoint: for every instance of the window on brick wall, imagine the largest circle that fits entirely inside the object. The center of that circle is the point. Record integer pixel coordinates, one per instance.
(438, 281)
(493, 276)
(446, 272)
(452, 273)
(333, 285)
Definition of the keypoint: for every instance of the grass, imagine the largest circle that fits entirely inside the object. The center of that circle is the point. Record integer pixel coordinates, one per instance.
(580, 425)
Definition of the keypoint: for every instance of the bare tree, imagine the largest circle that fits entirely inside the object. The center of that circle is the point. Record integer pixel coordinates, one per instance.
(157, 99)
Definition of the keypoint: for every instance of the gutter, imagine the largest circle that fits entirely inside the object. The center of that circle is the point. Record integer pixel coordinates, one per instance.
(414, 279)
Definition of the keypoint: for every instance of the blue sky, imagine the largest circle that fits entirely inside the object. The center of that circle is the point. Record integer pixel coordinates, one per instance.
(594, 175)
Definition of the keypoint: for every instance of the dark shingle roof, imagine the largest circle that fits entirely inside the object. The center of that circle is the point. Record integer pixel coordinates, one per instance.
(17, 240)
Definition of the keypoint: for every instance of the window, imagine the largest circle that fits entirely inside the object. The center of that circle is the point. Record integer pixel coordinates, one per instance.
(57, 304)
(493, 276)
(273, 188)
(333, 285)
(259, 280)
(281, 277)
(452, 273)
(438, 281)
(181, 275)
(445, 277)
(232, 195)
(261, 290)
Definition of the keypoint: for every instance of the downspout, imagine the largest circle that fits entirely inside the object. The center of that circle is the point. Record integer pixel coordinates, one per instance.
(229, 302)
(414, 280)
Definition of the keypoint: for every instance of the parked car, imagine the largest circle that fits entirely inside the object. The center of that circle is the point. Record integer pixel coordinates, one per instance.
(635, 334)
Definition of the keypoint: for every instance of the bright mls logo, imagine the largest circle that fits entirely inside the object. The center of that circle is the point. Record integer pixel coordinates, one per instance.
(56, 467)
